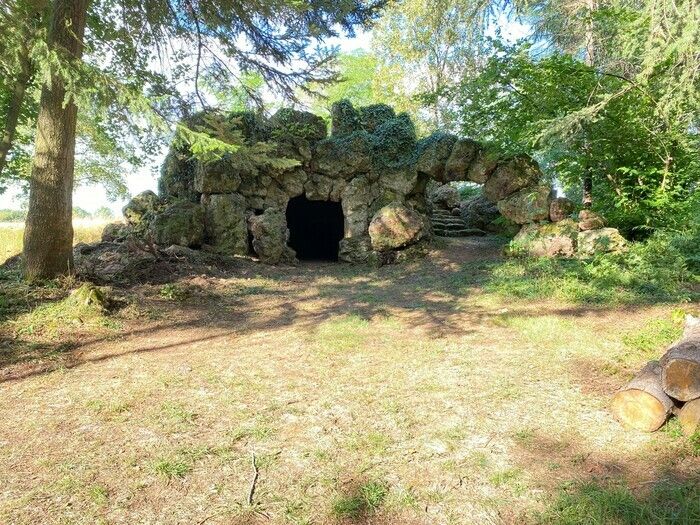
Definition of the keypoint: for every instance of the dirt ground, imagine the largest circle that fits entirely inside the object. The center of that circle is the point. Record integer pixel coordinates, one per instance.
(326, 393)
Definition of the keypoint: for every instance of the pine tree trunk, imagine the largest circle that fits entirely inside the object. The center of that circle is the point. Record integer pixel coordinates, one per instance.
(48, 236)
(14, 106)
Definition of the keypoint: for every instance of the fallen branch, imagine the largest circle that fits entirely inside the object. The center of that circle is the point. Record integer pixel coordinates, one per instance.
(256, 472)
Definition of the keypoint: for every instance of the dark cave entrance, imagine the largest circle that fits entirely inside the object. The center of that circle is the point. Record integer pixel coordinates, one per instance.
(315, 228)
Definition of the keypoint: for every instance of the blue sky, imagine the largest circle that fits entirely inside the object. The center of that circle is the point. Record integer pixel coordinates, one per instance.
(91, 198)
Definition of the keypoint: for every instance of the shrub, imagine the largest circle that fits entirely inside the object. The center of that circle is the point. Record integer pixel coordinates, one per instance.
(652, 271)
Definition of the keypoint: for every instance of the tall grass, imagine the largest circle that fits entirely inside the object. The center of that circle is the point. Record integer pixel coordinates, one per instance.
(11, 236)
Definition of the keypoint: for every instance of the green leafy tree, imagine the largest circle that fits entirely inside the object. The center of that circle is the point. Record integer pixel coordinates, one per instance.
(424, 48)
(104, 213)
(356, 82)
(544, 107)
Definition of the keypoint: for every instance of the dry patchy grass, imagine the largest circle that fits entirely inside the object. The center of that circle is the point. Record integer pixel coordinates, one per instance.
(11, 236)
(387, 396)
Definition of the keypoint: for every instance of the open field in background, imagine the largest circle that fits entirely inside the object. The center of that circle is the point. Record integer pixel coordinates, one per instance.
(414, 394)
(11, 235)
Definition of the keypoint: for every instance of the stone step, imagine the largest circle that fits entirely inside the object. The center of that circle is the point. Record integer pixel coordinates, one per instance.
(459, 222)
(465, 232)
(442, 213)
(447, 219)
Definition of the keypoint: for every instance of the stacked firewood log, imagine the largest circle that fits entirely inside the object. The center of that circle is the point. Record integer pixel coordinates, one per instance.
(669, 386)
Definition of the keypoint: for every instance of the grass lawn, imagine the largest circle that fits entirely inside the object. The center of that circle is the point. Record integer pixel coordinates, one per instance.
(412, 394)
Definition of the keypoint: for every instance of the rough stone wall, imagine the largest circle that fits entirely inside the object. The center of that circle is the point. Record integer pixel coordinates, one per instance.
(372, 163)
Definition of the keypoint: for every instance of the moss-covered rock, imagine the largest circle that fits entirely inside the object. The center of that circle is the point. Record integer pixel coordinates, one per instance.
(590, 220)
(373, 116)
(463, 153)
(318, 187)
(396, 226)
(445, 197)
(88, 297)
(225, 223)
(356, 199)
(511, 175)
(289, 124)
(432, 154)
(220, 176)
(345, 119)
(292, 181)
(561, 208)
(177, 176)
(357, 250)
(345, 156)
(546, 240)
(479, 213)
(394, 141)
(115, 232)
(602, 240)
(180, 223)
(527, 205)
(141, 207)
(483, 166)
(270, 236)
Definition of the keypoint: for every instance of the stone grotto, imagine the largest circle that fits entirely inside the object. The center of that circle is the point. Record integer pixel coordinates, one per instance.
(368, 191)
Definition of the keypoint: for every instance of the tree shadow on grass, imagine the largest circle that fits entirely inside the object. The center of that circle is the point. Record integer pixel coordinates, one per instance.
(601, 502)
(428, 295)
(659, 485)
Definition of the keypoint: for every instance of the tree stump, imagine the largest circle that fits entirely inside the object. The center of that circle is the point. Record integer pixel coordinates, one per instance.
(643, 404)
(689, 417)
(680, 374)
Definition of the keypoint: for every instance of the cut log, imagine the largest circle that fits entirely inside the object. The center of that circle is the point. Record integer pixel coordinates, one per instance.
(689, 417)
(643, 404)
(680, 374)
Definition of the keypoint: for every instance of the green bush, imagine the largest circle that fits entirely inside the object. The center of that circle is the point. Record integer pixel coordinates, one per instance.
(13, 215)
(652, 271)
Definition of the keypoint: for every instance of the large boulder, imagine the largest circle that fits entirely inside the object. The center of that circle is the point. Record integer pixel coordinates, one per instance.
(225, 223)
(561, 208)
(318, 187)
(221, 176)
(177, 175)
(357, 250)
(141, 207)
(483, 165)
(293, 181)
(546, 240)
(295, 133)
(445, 197)
(345, 156)
(603, 240)
(270, 236)
(115, 231)
(510, 176)
(432, 154)
(181, 223)
(396, 226)
(399, 180)
(527, 205)
(479, 213)
(464, 152)
(356, 200)
(590, 220)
